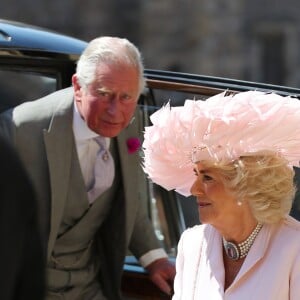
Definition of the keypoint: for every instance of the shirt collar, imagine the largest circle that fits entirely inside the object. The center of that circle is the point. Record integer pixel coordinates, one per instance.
(81, 131)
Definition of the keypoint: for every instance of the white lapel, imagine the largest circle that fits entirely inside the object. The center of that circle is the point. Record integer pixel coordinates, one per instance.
(256, 253)
(211, 275)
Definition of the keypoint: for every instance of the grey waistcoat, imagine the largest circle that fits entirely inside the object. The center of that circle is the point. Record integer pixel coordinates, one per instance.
(71, 263)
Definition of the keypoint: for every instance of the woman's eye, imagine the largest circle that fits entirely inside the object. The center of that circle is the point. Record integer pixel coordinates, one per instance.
(207, 178)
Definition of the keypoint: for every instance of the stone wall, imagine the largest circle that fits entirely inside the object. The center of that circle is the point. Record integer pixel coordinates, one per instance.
(254, 40)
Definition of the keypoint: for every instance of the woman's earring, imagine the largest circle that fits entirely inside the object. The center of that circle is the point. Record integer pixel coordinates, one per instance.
(239, 203)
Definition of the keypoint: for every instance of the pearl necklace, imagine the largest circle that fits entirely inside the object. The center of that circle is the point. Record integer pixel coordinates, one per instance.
(239, 251)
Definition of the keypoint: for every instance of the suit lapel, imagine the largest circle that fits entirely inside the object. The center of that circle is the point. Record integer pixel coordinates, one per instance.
(132, 174)
(59, 142)
(129, 178)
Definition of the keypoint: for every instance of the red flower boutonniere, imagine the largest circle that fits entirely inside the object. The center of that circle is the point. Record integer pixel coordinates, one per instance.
(133, 144)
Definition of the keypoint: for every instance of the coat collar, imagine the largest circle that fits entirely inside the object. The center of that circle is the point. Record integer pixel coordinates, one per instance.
(212, 261)
(256, 253)
(59, 142)
(133, 177)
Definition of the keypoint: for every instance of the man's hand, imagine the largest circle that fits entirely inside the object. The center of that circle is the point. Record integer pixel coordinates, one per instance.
(162, 273)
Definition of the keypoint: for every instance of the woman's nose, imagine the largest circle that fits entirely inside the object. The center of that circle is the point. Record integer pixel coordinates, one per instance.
(197, 188)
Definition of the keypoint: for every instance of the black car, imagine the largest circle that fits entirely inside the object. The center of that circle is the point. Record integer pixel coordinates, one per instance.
(36, 61)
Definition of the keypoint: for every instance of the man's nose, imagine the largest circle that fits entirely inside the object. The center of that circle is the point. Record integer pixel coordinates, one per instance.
(113, 105)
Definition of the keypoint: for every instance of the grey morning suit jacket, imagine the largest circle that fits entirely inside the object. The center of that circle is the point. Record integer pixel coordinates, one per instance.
(42, 132)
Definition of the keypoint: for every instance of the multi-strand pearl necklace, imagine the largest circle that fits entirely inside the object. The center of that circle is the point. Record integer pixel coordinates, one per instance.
(240, 250)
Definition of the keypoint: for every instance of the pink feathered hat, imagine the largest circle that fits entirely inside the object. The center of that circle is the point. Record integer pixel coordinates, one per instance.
(222, 127)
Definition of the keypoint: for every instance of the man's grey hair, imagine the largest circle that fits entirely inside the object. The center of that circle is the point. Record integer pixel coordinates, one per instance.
(108, 50)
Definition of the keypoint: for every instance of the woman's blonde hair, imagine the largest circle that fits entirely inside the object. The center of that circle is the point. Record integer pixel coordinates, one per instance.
(263, 179)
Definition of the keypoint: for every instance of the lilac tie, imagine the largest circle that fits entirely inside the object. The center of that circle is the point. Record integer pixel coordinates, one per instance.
(104, 170)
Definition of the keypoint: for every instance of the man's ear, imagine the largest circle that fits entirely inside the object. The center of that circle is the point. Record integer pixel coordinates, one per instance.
(76, 87)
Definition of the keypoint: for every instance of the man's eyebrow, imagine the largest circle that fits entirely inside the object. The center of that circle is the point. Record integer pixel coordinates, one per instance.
(102, 88)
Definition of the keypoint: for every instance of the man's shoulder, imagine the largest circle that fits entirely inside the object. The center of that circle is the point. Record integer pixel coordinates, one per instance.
(50, 100)
(42, 108)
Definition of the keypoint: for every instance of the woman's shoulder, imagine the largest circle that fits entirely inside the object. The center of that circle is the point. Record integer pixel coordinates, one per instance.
(291, 224)
(286, 236)
(194, 229)
(194, 238)
(289, 231)
(191, 239)
(195, 233)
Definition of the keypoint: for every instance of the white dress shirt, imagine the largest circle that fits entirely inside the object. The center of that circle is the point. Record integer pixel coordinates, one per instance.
(86, 147)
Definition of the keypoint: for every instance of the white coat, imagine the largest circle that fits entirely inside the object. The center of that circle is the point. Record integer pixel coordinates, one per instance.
(271, 270)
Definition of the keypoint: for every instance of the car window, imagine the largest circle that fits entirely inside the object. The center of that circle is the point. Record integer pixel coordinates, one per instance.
(175, 98)
(170, 212)
(19, 86)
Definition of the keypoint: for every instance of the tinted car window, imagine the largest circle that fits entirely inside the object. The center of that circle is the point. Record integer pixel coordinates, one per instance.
(20, 86)
(170, 212)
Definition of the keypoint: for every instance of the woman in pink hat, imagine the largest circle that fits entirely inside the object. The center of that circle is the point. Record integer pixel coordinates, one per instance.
(235, 154)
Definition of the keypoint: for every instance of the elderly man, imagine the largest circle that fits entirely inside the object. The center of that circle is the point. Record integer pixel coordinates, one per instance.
(73, 144)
